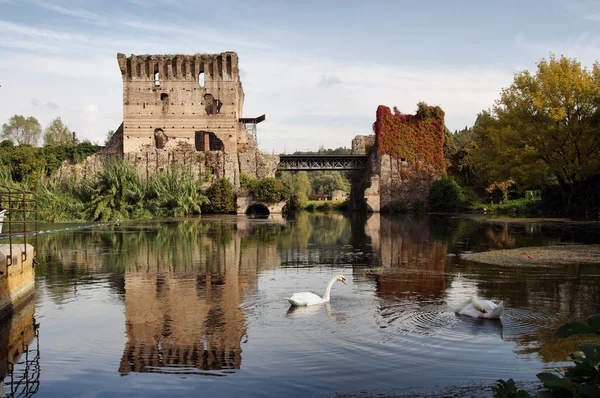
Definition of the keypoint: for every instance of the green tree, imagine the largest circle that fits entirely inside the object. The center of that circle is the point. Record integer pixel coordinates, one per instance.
(57, 133)
(21, 130)
(328, 181)
(544, 125)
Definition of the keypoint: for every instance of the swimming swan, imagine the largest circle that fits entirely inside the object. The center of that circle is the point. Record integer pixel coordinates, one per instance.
(307, 298)
(480, 308)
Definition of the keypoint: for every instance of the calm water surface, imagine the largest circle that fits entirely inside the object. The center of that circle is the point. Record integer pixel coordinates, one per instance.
(196, 307)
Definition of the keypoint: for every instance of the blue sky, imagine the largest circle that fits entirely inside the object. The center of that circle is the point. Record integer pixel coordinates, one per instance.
(317, 69)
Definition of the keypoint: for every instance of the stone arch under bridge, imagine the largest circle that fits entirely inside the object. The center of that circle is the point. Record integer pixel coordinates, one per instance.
(246, 202)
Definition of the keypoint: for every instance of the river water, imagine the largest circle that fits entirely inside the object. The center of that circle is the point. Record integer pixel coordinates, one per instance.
(197, 307)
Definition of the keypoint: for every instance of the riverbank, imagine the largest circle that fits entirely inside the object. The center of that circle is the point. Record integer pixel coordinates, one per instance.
(541, 255)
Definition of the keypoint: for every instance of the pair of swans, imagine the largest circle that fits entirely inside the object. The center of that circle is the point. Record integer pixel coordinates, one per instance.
(473, 307)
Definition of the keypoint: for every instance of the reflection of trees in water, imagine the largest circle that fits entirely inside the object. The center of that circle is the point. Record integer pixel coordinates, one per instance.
(72, 258)
(318, 238)
(19, 352)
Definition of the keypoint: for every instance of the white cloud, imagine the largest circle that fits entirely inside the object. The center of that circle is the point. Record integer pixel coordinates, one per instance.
(75, 12)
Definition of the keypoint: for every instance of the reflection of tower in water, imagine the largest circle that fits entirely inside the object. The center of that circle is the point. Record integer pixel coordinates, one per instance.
(188, 319)
(417, 258)
(19, 352)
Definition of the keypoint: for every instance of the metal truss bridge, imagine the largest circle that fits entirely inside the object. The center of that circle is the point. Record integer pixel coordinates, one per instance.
(321, 162)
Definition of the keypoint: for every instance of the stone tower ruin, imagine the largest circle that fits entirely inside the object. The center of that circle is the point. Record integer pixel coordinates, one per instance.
(189, 100)
(187, 109)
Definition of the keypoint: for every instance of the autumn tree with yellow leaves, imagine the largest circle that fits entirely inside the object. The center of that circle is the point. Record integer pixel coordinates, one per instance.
(544, 130)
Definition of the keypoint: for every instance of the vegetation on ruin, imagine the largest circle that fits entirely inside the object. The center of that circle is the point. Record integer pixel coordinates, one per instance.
(417, 138)
(119, 192)
(175, 192)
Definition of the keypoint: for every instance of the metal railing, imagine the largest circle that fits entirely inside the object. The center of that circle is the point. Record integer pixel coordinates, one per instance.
(322, 162)
(19, 218)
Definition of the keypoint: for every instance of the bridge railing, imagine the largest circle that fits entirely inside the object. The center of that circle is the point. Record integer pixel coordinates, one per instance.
(322, 162)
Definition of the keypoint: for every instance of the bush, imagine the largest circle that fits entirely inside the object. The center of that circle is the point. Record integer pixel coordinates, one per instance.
(220, 197)
(268, 190)
(445, 195)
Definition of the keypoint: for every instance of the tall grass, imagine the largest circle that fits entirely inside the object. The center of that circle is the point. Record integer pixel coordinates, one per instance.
(118, 194)
(174, 192)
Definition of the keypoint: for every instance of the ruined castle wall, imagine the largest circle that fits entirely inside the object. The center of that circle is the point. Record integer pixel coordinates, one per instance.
(415, 138)
(409, 157)
(208, 165)
(362, 143)
(402, 182)
(195, 99)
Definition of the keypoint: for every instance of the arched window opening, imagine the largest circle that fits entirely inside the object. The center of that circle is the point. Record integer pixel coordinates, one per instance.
(201, 79)
(156, 79)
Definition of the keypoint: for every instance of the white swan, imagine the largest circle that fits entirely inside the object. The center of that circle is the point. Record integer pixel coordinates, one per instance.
(480, 308)
(307, 298)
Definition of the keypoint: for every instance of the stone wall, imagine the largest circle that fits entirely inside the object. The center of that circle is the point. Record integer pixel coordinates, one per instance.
(402, 182)
(362, 143)
(17, 277)
(210, 165)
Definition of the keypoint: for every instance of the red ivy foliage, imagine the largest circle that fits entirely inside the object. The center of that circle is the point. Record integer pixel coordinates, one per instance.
(417, 138)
